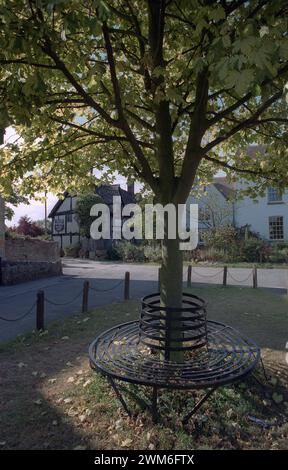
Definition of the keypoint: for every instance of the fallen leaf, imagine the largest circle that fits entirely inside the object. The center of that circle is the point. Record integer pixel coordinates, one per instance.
(88, 382)
(67, 400)
(70, 380)
(21, 364)
(126, 443)
(38, 402)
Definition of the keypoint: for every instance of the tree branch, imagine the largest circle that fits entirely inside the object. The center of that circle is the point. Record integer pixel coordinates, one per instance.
(244, 124)
(245, 98)
(123, 124)
(236, 169)
(107, 137)
(87, 98)
(27, 62)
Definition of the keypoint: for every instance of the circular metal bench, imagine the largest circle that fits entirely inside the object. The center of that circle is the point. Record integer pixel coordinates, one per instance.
(142, 352)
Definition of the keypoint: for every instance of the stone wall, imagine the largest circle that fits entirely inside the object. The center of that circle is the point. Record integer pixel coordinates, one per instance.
(23, 271)
(29, 259)
(25, 249)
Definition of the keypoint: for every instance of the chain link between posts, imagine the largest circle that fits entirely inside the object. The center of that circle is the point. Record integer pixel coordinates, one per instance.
(21, 317)
(52, 302)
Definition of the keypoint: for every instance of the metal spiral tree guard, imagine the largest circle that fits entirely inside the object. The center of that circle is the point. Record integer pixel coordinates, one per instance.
(140, 352)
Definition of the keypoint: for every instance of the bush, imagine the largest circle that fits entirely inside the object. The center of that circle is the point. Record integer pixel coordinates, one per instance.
(152, 252)
(278, 254)
(220, 237)
(250, 250)
(127, 251)
(72, 250)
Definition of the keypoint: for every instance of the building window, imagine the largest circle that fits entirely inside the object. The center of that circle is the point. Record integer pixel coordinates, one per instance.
(274, 195)
(69, 217)
(276, 229)
(204, 215)
(201, 238)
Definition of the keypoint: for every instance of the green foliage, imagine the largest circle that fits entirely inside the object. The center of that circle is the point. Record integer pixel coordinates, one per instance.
(72, 250)
(81, 81)
(252, 250)
(220, 237)
(82, 212)
(153, 252)
(127, 251)
(147, 251)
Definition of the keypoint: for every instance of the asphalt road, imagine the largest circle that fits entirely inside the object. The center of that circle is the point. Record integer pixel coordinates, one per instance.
(105, 277)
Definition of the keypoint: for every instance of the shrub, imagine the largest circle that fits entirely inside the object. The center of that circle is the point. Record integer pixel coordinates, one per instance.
(278, 254)
(220, 237)
(72, 250)
(127, 251)
(251, 250)
(152, 252)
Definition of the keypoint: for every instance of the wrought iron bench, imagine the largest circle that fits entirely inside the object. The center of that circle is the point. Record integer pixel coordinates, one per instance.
(139, 352)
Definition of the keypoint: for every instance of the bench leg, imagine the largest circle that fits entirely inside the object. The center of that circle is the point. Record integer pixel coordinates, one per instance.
(154, 411)
(198, 405)
(119, 395)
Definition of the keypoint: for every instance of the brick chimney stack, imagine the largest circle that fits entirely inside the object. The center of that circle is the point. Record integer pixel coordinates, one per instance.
(131, 188)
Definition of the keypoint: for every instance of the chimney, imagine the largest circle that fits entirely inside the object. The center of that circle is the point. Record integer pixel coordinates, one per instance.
(131, 188)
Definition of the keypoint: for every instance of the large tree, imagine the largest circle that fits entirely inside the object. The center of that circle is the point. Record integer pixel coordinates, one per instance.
(165, 91)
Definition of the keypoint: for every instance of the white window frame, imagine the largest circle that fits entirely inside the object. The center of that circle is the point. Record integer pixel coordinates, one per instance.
(272, 194)
(276, 230)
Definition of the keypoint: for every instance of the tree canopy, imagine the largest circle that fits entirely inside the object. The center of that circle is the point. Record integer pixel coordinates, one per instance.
(27, 227)
(82, 211)
(159, 90)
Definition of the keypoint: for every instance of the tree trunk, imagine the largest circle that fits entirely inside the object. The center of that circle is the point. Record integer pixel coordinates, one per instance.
(171, 283)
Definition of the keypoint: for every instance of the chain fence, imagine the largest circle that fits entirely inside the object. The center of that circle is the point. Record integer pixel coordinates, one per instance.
(63, 303)
(107, 289)
(42, 298)
(208, 275)
(240, 280)
(84, 293)
(21, 317)
(225, 273)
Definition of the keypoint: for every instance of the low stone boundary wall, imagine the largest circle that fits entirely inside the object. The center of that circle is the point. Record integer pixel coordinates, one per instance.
(29, 249)
(23, 271)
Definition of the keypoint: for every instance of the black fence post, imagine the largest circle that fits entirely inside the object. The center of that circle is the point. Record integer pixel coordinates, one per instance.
(255, 281)
(127, 286)
(159, 279)
(40, 310)
(85, 296)
(225, 269)
(189, 276)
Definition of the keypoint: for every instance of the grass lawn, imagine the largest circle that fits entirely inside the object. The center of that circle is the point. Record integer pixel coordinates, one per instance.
(51, 399)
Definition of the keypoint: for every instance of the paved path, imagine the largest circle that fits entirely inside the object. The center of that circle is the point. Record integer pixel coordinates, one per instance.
(16, 300)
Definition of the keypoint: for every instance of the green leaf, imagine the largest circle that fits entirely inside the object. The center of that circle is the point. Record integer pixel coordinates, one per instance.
(277, 398)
